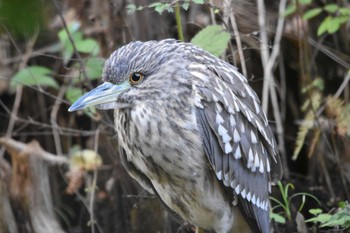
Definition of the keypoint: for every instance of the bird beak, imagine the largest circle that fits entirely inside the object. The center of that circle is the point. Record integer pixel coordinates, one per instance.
(103, 96)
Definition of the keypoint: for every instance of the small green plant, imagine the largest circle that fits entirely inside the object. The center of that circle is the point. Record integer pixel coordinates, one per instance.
(212, 38)
(292, 7)
(169, 6)
(339, 218)
(92, 64)
(336, 15)
(285, 204)
(162, 6)
(40, 76)
(82, 45)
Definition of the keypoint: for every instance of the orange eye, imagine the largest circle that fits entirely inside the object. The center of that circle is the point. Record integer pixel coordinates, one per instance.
(136, 78)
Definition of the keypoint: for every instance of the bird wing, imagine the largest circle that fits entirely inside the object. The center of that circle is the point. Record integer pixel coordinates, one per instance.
(237, 139)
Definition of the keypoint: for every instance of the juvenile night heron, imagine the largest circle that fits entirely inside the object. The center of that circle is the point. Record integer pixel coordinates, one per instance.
(192, 131)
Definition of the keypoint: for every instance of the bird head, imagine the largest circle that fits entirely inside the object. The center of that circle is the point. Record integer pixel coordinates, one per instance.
(134, 71)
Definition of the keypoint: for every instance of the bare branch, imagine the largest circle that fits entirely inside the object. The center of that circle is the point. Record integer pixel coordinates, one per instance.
(19, 89)
(239, 43)
(32, 148)
(269, 62)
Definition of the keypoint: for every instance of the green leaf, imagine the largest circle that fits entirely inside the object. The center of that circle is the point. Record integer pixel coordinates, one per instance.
(312, 13)
(155, 4)
(315, 211)
(323, 26)
(33, 76)
(344, 11)
(162, 7)
(278, 218)
(67, 53)
(305, 2)
(290, 9)
(334, 222)
(342, 19)
(94, 68)
(67, 48)
(72, 27)
(342, 204)
(198, 1)
(185, 5)
(82, 45)
(131, 9)
(318, 83)
(213, 39)
(88, 46)
(333, 25)
(73, 93)
(331, 8)
(322, 218)
(170, 9)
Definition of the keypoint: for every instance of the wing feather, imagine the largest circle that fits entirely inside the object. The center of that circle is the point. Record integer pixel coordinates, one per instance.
(237, 139)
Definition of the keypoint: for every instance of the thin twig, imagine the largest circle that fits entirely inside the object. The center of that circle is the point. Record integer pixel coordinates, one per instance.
(326, 175)
(343, 85)
(63, 130)
(239, 43)
(269, 60)
(38, 52)
(178, 22)
(93, 185)
(339, 163)
(71, 40)
(19, 89)
(278, 35)
(11, 125)
(279, 131)
(328, 52)
(212, 13)
(229, 16)
(53, 118)
(264, 50)
(283, 87)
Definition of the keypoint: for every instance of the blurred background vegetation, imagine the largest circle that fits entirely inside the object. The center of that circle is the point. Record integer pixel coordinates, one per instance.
(60, 171)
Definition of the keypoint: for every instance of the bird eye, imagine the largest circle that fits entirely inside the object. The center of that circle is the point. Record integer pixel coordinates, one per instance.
(136, 78)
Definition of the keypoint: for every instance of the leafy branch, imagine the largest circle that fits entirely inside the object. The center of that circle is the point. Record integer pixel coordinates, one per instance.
(285, 203)
(340, 217)
(336, 15)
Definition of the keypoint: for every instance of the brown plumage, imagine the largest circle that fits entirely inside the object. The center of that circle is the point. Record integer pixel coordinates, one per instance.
(192, 131)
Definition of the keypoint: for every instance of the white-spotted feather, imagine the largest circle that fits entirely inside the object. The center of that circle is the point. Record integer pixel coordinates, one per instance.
(233, 112)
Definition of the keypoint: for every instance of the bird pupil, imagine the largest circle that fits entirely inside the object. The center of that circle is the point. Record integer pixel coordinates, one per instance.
(136, 77)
